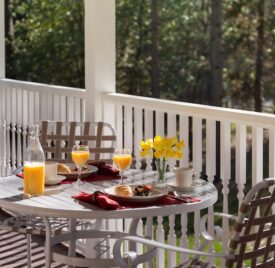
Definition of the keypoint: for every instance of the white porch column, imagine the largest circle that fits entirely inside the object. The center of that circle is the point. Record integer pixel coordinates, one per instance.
(2, 39)
(99, 54)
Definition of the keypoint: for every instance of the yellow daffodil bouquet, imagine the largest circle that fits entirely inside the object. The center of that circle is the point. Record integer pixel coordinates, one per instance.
(162, 149)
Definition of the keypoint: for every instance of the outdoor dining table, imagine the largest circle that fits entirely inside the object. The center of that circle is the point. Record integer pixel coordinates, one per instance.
(58, 202)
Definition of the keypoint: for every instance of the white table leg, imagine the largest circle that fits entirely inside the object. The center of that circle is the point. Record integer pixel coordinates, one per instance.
(48, 253)
(29, 250)
(72, 229)
(133, 231)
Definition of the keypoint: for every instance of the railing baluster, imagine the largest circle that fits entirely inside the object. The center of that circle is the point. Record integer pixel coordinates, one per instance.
(257, 154)
(13, 112)
(148, 132)
(225, 176)
(172, 240)
(118, 125)
(271, 152)
(63, 115)
(70, 109)
(56, 107)
(257, 157)
(197, 165)
(4, 148)
(184, 237)
(31, 108)
(211, 170)
(160, 123)
(149, 234)
(137, 135)
(43, 106)
(13, 149)
(50, 106)
(160, 259)
(128, 127)
(19, 121)
(8, 151)
(24, 139)
(240, 160)
(184, 134)
(37, 105)
(171, 132)
(77, 114)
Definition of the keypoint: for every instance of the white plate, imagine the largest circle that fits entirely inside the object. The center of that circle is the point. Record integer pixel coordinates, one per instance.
(194, 186)
(156, 194)
(73, 175)
(55, 181)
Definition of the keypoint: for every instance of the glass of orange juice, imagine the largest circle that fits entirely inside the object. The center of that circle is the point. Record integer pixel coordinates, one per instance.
(80, 155)
(122, 159)
(34, 173)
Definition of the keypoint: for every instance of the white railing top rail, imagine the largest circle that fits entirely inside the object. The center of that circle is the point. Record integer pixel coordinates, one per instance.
(45, 88)
(197, 110)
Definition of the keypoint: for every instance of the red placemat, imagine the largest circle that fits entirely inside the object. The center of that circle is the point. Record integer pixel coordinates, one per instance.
(105, 172)
(105, 201)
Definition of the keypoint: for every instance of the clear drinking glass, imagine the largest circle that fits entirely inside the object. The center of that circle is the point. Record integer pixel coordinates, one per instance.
(80, 155)
(122, 159)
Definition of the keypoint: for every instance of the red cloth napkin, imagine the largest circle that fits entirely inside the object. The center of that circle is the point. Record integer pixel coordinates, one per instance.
(105, 172)
(106, 169)
(107, 202)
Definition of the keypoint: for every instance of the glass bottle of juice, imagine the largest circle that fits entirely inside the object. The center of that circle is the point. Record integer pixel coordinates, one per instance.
(34, 165)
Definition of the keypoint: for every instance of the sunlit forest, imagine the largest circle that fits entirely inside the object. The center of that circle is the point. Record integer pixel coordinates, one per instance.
(206, 51)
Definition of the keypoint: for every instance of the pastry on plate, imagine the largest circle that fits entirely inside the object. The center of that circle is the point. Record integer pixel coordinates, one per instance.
(62, 168)
(124, 190)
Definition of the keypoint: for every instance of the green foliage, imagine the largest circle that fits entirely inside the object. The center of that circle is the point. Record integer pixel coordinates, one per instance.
(184, 48)
(46, 42)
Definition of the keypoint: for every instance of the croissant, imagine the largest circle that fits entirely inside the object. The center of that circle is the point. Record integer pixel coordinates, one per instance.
(63, 168)
(123, 190)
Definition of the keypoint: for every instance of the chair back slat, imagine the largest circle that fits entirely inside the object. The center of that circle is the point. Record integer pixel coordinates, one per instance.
(57, 143)
(98, 139)
(254, 230)
(71, 139)
(58, 138)
(86, 132)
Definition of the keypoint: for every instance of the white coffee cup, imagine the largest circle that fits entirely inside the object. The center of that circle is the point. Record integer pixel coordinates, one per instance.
(184, 176)
(50, 170)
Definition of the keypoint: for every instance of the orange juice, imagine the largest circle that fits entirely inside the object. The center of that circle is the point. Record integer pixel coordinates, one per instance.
(80, 157)
(122, 161)
(34, 178)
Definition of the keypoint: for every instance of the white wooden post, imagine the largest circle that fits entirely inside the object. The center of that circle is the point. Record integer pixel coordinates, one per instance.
(99, 55)
(2, 39)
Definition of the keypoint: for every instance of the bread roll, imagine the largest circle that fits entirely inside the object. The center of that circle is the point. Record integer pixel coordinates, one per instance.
(63, 168)
(123, 190)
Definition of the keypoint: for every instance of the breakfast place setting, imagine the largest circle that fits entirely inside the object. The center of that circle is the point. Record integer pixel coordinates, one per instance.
(113, 186)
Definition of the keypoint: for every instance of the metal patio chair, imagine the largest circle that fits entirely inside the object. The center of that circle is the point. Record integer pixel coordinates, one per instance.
(252, 242)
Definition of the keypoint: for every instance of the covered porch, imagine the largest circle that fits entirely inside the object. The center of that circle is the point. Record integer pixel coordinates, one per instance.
(233, 148)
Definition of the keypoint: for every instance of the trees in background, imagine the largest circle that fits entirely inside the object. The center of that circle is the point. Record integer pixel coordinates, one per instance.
(209, 51)
(45, 41)
(218, 52)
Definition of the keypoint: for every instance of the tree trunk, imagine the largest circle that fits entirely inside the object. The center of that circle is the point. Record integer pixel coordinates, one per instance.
(259, 57)
(155, 70)
(216, 62)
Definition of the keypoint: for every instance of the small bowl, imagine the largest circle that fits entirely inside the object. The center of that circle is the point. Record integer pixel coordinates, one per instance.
(55, 181)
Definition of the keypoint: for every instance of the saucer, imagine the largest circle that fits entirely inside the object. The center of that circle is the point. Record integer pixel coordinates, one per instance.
(56, 180)
(193, 187)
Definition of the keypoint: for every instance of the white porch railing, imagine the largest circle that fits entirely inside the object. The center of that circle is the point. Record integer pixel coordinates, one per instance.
(23, 103)
(138, 117)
